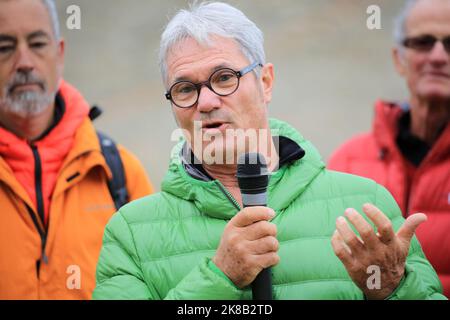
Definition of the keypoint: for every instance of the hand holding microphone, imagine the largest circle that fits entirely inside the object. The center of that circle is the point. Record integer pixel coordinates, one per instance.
(248, 247)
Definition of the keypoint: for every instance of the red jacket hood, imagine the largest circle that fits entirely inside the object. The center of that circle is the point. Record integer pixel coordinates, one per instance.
(385, 124)
(385, 128)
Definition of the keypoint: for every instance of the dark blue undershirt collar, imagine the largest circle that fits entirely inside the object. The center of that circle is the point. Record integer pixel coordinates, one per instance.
(287, 149)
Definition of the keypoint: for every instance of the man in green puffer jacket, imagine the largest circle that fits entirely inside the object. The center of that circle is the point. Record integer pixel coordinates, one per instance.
(194, 241)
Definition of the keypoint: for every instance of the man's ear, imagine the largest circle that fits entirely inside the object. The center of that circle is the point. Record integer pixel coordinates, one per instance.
(61, 51)
(267, 81)
(399, 61)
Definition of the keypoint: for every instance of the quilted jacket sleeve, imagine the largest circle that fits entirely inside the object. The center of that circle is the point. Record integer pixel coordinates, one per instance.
(420, 281)
(120, 277)
(204, 284)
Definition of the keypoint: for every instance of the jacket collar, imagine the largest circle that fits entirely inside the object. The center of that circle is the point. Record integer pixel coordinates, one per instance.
(385, 125)
(86, 151)
(60, 110)
(83, 157)
(287, 149)
(441, 149)
(300, 164)
(84, 154)
(386, 129)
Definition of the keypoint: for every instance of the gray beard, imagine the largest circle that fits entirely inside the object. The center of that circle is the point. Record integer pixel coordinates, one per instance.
(27, 103)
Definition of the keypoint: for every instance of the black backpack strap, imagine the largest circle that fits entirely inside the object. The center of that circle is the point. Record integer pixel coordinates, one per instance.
(117, 186)
(95, 112)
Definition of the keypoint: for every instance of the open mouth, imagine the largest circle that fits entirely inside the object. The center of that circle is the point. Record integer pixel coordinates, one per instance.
(438, 74)
(214, 125)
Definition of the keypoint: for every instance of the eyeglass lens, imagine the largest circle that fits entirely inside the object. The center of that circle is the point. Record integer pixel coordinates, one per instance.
(426, 43)
(223, 82)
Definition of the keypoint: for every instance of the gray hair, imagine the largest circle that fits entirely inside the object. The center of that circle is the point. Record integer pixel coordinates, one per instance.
(51, 8)
(212, 18)
(400, 21)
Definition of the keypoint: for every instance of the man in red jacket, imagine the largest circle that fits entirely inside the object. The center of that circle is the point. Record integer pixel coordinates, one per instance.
(408, 150)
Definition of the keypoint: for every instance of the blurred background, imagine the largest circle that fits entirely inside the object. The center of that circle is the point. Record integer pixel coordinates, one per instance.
(330, 68)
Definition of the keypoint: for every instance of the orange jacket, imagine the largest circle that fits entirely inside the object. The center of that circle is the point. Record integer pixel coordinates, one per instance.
(423, 189)
(78, 206)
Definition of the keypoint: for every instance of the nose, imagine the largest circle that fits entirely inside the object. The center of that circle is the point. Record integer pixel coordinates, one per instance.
(207, 100)
(24, 60)
(438, 55)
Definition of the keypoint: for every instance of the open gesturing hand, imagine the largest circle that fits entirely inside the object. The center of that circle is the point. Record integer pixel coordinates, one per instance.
(385, 249)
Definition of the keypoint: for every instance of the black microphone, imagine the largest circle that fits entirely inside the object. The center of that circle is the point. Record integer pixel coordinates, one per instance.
(253, 178)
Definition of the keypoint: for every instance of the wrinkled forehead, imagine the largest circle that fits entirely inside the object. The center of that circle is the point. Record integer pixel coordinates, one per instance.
(191, 56)
(213, 44)
(429, 17)
(24, 16)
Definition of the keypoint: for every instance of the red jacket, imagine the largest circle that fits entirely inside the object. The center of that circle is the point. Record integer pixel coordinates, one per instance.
(426, 188)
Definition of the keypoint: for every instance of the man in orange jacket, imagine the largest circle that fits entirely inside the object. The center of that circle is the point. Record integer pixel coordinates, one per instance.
(54, 194)
(408, 150)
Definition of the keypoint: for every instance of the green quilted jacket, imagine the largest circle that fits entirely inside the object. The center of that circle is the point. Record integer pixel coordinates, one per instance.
(160, 247)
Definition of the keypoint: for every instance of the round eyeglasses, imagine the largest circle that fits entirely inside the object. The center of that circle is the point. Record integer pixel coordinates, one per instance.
(223, 82)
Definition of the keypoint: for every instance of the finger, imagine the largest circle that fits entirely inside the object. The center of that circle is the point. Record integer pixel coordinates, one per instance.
(364, 229)
(260, 230)
(340, 250)
(406, 232)
(264, 245)
(383, 223)
(267, 260)
(251, 215)
(349, 237)
(339, 238)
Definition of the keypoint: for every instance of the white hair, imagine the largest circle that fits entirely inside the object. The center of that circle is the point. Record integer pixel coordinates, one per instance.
(204, 19)
(400, 22)
(51, 8)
